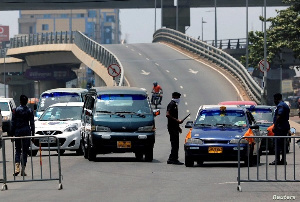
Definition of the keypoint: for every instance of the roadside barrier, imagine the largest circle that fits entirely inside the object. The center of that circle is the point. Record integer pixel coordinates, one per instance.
(263, 172)
(45, 168)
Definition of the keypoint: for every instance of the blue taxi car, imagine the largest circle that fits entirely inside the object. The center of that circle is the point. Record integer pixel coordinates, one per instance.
(215, 133)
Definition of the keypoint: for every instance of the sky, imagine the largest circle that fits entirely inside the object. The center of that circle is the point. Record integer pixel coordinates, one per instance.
(137, 25)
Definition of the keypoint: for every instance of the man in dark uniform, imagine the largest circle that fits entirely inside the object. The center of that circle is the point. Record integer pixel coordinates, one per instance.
(281, 128)
(21, 118)
(173, 128)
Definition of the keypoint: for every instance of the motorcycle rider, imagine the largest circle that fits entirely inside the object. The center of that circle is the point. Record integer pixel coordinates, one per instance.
(157, 90)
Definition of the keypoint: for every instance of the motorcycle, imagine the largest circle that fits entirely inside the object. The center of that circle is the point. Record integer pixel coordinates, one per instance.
(156, 98)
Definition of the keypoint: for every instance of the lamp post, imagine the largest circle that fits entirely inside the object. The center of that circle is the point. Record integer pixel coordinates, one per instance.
(216, 40)
(263, 92)
(247, 39)
(176, 14)
(202, 22)
(154, 15)
(4, 54)
(162, 12)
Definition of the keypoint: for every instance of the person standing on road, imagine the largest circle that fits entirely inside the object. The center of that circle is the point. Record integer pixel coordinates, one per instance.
(173, 128)
(281, 128)
(22, 125)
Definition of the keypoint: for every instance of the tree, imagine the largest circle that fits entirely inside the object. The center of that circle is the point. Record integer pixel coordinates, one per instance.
(284, 32)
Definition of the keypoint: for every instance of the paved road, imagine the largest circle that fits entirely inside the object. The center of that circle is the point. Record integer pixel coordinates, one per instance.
(118, 177)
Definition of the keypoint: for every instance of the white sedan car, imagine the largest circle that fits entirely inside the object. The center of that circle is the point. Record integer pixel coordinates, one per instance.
(62, 120)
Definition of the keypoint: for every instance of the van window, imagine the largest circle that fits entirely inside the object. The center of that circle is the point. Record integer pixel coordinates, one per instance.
(4, 106)
(122, 103)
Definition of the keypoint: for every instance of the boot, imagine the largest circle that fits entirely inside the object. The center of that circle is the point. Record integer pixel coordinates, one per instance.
(17, 169)
(23, 171)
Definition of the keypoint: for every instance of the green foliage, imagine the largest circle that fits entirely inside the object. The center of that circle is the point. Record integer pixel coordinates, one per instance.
(284, 32)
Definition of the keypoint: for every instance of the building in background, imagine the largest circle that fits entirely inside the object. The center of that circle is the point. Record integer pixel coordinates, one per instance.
(4, 36)
(101, 25)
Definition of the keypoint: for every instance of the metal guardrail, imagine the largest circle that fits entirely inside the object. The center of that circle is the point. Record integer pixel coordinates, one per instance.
(86, 44)
(285, 172)
(35, 163)
(228, 43)
(216, 55)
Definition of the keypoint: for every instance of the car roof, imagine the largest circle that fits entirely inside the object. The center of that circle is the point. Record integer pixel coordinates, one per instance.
(66, 90)
(6, 99)
(238, 102)
(119, 90)
(67, 104)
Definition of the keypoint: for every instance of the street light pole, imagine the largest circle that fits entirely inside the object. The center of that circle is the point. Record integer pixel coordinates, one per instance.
(155, 16)
(176, 15)
(162, 12)
(247, 39)
(202, 29)
(216, 43)
(264, 89)
(4, 73)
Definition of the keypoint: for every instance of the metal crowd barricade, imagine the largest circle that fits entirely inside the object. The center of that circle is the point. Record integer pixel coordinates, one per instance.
(263, 172)
(36, 163)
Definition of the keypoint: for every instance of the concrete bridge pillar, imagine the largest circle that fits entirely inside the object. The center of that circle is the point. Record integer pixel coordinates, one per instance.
(99, 81)
(47, 85)
(14, 91)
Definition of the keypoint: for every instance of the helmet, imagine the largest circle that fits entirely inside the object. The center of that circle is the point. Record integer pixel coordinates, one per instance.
(155, 83)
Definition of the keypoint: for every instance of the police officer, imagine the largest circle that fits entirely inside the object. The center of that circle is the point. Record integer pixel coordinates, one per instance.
(281, 128)
(173, 128)
(22, 125)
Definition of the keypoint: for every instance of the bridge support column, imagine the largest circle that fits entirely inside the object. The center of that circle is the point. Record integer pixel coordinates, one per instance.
(99, 81)
(47, 85)
(170, 12)
(14, 91)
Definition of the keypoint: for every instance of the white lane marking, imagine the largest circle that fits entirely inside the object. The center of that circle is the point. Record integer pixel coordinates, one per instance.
(147, 58)
(167, 71)
(187, 111)
(140, 54)
(184, 95)
(156, 64)
(175, 79)
(185, 103)
(126, 46)
(181, 87)
(132, 49)
(145, 73)
(193, 71)
(236, 89)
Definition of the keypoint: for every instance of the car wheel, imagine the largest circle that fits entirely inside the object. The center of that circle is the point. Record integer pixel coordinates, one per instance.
(91, 154)
(62, 151)
(85, 152)
(188, 161)
(33, 152)
(138, 156)
(149, 155)
(79, 151)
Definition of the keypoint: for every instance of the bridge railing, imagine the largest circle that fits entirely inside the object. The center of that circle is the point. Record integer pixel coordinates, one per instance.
(90, 47)
(213, 54)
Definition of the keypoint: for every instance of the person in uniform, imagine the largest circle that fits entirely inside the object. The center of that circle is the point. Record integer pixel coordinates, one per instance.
(281, 128)
(22, 125)
(173, 128)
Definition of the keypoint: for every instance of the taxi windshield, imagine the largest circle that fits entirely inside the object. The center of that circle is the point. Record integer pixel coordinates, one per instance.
(126, 103)
(62, 113)
(263, 116)
(221, 118)
(48, 99)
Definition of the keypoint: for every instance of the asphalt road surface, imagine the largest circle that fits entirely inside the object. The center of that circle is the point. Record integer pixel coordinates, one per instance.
(119, 177)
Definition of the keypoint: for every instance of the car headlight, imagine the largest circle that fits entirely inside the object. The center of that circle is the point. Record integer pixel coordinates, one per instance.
(100, 129)
(194, 141)
(146, 129)
(5, 118)
(71, 128)
(236, 141)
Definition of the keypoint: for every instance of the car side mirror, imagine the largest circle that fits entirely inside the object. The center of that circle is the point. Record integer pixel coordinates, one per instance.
(189, 124)
(254, 127)
(156, 112)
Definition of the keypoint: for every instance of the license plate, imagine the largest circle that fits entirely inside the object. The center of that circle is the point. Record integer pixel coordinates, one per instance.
(47, 140)
(124, 144)
(215, 150)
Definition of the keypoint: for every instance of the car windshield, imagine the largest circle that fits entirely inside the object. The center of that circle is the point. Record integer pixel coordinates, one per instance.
(48, 99)
(62, 113)
(263, 116)
(126, 103)
(221, 118)
(4, 106)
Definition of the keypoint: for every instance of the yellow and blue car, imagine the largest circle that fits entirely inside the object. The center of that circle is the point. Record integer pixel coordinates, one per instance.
(215, 133)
